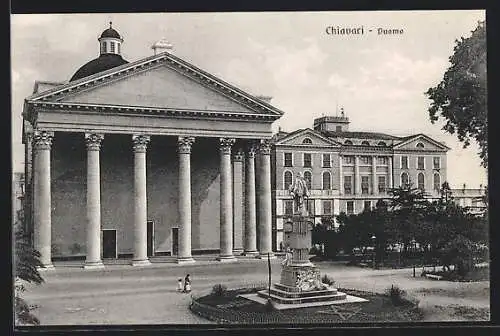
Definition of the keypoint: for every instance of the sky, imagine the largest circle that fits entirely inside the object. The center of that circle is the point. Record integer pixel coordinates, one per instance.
(379, 80)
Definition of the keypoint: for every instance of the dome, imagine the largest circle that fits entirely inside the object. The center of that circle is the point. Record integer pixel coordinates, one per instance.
(110, 32)
(102, 63)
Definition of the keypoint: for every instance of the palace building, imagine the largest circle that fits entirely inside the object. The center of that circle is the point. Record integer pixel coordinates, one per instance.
(146, 158)
(350, 171)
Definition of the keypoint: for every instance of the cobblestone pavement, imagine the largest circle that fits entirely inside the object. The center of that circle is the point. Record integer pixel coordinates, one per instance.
(122, 294)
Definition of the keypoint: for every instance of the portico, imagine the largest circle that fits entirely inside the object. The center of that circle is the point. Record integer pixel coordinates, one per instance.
(155, 140)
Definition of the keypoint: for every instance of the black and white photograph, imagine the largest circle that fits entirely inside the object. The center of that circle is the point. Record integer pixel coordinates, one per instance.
(249, 168)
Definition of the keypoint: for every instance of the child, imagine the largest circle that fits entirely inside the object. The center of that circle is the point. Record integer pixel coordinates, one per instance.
(179, 285)
(187, 284)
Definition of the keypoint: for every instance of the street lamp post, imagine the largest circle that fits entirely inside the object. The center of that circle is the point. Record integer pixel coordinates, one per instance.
(414, 246)
(373, 243)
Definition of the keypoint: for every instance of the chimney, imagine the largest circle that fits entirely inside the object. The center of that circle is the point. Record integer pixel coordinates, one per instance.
(161, 46)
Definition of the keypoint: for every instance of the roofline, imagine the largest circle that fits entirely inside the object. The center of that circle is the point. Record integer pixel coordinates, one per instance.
(413, 137)
(154, 59)
(292, 135)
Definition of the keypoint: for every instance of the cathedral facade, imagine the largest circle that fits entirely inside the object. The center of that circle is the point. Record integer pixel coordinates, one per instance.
(146, 158)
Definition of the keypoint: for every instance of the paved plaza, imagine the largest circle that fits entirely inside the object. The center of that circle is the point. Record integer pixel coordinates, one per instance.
(122, 294)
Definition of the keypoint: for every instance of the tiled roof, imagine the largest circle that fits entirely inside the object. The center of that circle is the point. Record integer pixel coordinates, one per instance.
(360, 135)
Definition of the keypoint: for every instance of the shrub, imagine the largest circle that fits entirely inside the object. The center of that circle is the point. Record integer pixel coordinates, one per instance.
(219, 290)
(327, 280)
(396, 294)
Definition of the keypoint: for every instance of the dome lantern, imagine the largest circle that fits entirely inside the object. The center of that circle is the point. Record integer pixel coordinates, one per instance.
(110, 41)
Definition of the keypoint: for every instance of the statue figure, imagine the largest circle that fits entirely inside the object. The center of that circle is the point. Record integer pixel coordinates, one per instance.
(299, 191)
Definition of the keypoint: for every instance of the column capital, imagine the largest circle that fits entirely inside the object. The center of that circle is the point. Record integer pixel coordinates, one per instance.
(185, 144)
(43, 139)
(140, 142)
(226, 144)
(93, 141)
(251, 150)
(238, 155)
(265, 147)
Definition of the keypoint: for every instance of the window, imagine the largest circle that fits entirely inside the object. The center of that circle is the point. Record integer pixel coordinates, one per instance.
(310, 207)
(288, 207)
(348, 142)
(421, 181)
(365, 185)
(350, 207)
(112, 47)
(382, 144)
(366, 160)
(307, 160)
(327, 184)
(404, 180)
(307, 141)
(404, 162)
(348, 185)
(420, 162)
(365, 143)
(326, 161)
(382, 160)
(103, 47)
(308, 178)
(436, 162)
(381, 184)
(327, 207)
(288, 160)
(118, 45)
(420, 145)
(348, 159)
(367, 205)
(338, 128)
(437, 182)
(287, 180)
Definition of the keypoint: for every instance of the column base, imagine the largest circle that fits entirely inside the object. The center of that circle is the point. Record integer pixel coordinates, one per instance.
(264, 256)
(93, 265)
(48, 267)
(238, 251)
(144, 262)
(251, 253)
(185, 260)
(226, 258)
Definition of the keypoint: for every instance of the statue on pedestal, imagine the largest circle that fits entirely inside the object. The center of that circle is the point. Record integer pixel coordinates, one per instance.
(299, 192)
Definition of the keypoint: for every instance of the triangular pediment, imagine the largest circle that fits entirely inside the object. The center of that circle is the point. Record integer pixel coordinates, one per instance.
(160, 82)
(420, 142)
(307, 137)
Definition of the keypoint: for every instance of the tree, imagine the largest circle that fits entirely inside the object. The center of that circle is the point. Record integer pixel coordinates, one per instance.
(460, 98)
(26, 261)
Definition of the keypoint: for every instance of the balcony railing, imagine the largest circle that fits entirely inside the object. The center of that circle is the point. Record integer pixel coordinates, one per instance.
(314, 192)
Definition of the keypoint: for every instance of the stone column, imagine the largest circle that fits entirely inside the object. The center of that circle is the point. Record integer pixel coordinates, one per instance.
(374, 176)
(226, 201)
(42, 205)
(341, 177)
(238, 202)
(357, 182)
(250, 206)
(265, 215)
(184, 255)
(389, 172)
(140, 144)
(93, 258)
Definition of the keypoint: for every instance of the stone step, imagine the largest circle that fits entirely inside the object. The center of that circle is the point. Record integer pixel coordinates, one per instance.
(334, 297)
(287, 294)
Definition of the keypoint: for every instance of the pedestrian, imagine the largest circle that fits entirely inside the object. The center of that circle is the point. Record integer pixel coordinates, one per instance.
(187, 284)
(180, 286)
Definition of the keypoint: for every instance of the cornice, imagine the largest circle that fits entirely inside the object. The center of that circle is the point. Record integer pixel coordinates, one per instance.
(123, 109)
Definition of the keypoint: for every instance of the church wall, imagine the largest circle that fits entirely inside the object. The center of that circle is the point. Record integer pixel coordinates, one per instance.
(69, 169)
